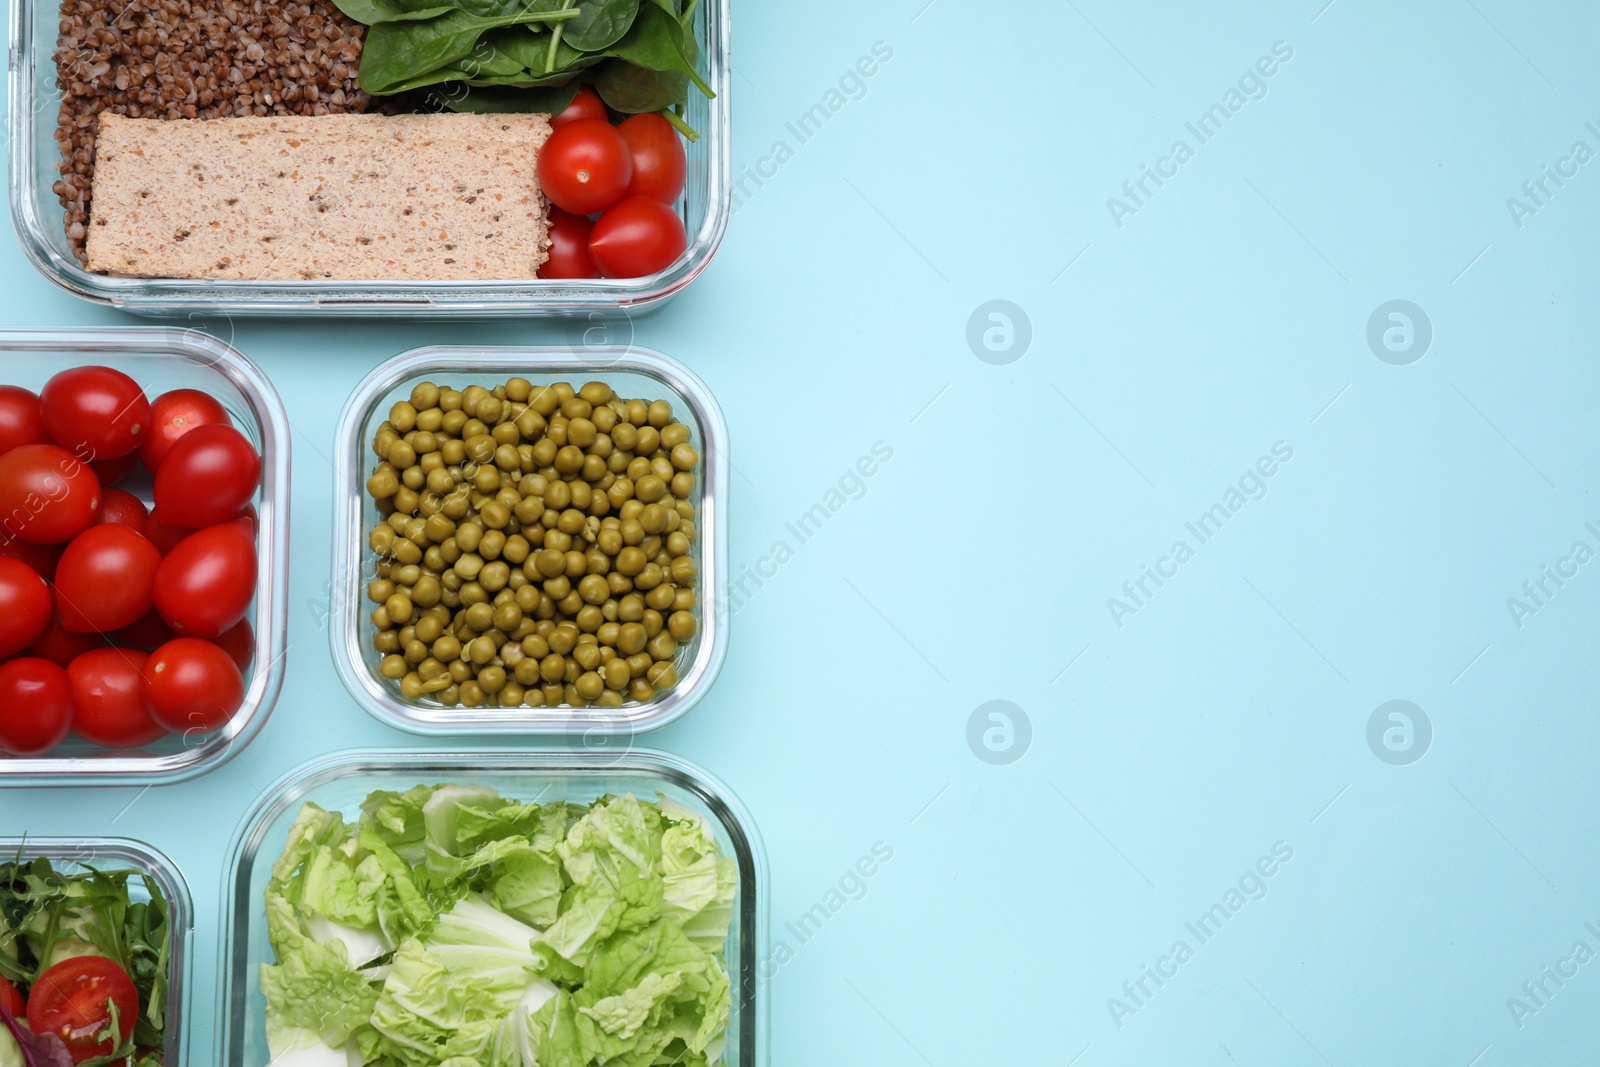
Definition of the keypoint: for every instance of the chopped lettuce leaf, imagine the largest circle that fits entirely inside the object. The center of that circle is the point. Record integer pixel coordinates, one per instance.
(453, 927)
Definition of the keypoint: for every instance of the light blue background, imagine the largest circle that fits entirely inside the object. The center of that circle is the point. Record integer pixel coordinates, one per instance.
(1227, 314)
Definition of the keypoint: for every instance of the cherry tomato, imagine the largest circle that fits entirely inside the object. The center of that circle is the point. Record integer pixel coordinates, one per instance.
(35, 706)
(119, 507)
(24, 606)
(73, 1000)
(205, 584)
(106, 579)
(150, 631)
(108, 699)
(96, 412)
(586, 105)
(59, 646)
(209, 475)
(41, 558)
(11, 1000)
(20, 421)
(240, 645)
(46, 494)
(585, 167)
(659, 165)
(639, 236)
(192, 685)
(112, 471)
(569, 247)
(164, 537)
(174, 414)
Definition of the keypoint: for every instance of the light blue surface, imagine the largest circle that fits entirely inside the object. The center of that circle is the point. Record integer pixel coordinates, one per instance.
(1230, 712)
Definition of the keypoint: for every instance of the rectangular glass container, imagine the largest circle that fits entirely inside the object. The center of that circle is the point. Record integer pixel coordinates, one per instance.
(36, 214)
(631, 372)
(161, 360)
(74, 855)
(341, 782)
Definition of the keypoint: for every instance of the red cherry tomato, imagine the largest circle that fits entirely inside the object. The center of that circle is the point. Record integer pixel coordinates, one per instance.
(586, 105)
(569, 247)
(108, 699)
(20, 421)
(205, 584)
(164, 537)
(119, 507)
(584, 167)
(192, 685)
(659, 165)
(174, 414)
(209, 475)
(106, 579)
(240, 645)
(73, 1000)
(96, 412)
(35, 706)
(639, 236)
(24, 606)
(151, 631)
(61, 647)
(11, 1000)
(112, 471)
(46, 494)
(41, 558)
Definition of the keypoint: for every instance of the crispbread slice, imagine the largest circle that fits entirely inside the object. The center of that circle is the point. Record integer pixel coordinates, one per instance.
(324, 198)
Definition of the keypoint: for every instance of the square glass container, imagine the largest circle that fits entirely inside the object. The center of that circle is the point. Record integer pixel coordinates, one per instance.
(340, 783)
(34, 102)
(161, 360)
(631, 372)
(74, 855)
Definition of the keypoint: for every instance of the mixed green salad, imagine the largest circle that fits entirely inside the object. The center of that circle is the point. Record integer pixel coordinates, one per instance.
(84, 961)
(449, 926)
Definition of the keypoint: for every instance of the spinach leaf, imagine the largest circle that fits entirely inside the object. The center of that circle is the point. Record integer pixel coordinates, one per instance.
(600, 24)
(398, 54)
(656, 42)
(634, 90)
(372, 12)
(487, 100)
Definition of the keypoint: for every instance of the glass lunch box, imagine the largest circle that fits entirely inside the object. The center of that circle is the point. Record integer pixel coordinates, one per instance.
(114, 853)
(632, 372)
(37, 217)
(340, 783)
(160, 360)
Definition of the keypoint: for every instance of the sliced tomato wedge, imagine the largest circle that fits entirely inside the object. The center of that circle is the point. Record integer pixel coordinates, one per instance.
(73, 1001)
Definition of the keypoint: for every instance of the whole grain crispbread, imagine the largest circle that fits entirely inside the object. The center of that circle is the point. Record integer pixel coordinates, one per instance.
(320, 198)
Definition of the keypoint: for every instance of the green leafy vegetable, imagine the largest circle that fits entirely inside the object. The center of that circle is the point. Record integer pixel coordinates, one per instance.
(453, 927)
(600, 24)
(639, 54)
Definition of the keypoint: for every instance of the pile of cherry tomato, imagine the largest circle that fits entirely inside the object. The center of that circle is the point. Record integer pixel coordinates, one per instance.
(118, 623)
(613, 189)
